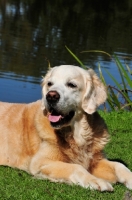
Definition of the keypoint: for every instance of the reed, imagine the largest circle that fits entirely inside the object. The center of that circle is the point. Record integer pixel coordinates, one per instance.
(119, 95)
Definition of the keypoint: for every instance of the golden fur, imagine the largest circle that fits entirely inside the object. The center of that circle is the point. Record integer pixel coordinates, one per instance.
(70, 153)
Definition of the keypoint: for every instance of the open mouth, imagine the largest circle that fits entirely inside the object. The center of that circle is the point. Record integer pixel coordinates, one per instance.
(57, 119)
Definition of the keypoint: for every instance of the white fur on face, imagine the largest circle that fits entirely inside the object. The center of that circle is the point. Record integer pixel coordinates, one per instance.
(88, 94)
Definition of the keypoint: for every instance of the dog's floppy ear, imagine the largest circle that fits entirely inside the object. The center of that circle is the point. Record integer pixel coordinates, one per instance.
(44, 83)
(95, 93)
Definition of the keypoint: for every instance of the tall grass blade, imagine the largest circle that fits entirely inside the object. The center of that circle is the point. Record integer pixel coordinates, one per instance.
(76, 58)
(110, 99)
(101, 75)
(96, 51)
(126, 105)
(129, 70)
(115, 98)
(123, 72)
(114, 80)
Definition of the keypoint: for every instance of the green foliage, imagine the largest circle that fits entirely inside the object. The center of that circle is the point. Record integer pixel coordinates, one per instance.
(18, 185)
(119, 96)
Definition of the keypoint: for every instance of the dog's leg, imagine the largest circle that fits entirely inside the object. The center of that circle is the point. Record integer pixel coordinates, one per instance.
(69, 173)
(113, 172)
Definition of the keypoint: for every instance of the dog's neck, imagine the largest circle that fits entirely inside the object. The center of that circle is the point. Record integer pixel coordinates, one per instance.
(83, 130)
(65, 133)
(80, 131)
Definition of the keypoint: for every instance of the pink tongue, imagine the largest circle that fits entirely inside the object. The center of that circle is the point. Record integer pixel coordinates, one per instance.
(53, 118)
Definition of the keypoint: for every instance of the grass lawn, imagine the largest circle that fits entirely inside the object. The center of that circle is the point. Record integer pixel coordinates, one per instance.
(18, 185)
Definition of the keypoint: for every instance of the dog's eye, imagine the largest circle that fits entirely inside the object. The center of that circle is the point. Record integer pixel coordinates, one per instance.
(71, 85)
(49, 84)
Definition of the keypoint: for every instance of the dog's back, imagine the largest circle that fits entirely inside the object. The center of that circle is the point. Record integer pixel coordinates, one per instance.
(18, 139)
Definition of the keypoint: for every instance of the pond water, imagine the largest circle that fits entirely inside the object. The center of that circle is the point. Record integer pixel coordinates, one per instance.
(33, 33)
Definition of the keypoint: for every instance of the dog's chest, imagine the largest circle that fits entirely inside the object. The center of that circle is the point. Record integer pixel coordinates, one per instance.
(76, 154)
(80, 155)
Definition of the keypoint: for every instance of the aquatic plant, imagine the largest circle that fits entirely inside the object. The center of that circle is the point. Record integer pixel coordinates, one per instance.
(119, 95)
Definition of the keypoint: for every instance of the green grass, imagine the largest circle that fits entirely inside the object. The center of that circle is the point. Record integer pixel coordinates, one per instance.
(120, 95)
(18, 185)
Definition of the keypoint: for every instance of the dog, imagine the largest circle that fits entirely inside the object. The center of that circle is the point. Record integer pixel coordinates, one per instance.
(62, 136)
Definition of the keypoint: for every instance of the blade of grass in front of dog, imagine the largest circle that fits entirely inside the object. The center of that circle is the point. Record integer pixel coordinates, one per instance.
(76, 58)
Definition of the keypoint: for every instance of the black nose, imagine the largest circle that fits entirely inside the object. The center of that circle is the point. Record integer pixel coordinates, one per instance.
(52, 97)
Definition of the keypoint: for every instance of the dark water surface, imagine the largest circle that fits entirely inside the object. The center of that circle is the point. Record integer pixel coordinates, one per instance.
(34, 31)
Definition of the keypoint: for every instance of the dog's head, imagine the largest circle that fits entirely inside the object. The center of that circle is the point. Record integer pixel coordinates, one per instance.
(69, 91)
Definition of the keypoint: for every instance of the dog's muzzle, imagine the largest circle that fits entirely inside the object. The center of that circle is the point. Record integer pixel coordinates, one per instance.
(57, 118)
(52, 97)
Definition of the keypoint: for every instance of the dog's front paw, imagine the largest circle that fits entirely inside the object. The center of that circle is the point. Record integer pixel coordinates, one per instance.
(85, 179)
(128, 181)
(99, 184)
(123, 174)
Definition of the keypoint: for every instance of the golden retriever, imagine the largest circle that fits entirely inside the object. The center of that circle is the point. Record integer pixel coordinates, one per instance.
(62, 137)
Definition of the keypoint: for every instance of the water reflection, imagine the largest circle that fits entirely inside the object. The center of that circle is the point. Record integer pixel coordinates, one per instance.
(32, 32)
